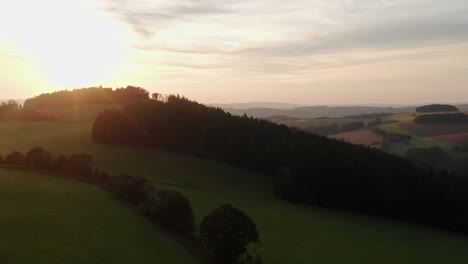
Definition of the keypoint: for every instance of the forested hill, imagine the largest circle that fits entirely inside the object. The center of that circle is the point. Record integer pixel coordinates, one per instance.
(306, 167)
(436, 108)
(445, 118)
(87, 96)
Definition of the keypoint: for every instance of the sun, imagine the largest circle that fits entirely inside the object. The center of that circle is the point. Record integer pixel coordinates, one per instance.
(70, 44)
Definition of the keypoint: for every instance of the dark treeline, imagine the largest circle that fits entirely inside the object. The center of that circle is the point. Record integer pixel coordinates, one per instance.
(335, 128)
(306, 167)
(134, 190)
(438, 158)
(428, 157)
(12, 111)
(225, 232)
(391, 137)
(436, 108)
(351, 126)
(441, 118)
(369, 116)
(324, 130)
(87, 96)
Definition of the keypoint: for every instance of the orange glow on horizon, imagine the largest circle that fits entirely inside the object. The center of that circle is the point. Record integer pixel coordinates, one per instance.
(73, 47)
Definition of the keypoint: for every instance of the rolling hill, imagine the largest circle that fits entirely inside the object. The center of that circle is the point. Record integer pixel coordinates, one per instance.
(318, 235)
(317, 111)
(48, 219)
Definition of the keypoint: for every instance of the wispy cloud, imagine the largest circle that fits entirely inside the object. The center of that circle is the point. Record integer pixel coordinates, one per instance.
(278, 29)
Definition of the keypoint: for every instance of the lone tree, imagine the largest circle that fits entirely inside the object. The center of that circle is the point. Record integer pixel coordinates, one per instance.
(174, 210)
(39, 157)
(227, 231)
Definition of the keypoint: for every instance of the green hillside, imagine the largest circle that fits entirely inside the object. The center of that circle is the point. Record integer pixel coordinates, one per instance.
(46, 219)
(290, 233)
(391, 125)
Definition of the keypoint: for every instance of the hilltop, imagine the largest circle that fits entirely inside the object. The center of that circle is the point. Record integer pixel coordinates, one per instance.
(209, 182)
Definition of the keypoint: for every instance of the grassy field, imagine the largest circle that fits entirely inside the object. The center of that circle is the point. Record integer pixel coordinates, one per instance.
(399, 118)
(78, 113)
(290, 233)
(46, 219)
(365, 137)
(434, 130)
(424, 135)
(420, 142)
(461, 138)
(316, 122)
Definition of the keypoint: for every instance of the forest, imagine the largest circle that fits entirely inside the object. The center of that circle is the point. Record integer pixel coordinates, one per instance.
(86, 96)
(433, 108)
(12, 111)
(306, 168)
(441, 118)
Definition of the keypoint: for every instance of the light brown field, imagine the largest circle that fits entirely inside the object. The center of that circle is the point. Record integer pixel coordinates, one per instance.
(434, 130)
(361, 137)
(455, 138)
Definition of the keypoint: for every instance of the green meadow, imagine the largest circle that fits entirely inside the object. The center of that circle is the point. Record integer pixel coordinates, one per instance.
(405, 117)
(419, 142)
(290, 233)
(46, 219)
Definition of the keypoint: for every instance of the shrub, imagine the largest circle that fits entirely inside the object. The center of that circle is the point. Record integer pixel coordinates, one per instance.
(173, 210)
(249, 259)
(39, 158)
(101, 178)
(129, 188)
(14, 159)
(60, 163)
(79, 164)
(226, 232)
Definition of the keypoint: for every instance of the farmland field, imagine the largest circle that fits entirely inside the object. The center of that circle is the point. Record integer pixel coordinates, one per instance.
(290, 233)
(304, 123)
(399, 118)
(432, 130)
(365, 137)
(454, 138)
(416, 141)
(48, 219)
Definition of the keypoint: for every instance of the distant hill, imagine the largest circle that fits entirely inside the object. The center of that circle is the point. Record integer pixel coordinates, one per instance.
(433, 108)
(251, 105)
(264, 110)
(19, 101)
(462, 107)
(442, 118)
(318, 111)
(86, 97)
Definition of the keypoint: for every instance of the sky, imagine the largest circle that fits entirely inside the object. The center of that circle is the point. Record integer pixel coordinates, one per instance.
(226, 51)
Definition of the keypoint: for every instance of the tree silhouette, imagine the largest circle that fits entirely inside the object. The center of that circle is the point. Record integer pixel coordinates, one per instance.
(227, 231)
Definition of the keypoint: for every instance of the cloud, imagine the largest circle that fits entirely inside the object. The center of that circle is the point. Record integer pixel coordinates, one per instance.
(398, 35)
(146, 17)
(268, 38)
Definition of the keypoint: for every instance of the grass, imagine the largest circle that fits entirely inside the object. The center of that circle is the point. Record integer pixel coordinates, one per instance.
(78, 113)
(290, 233)
(365, 137)
(406, 117)
(394, 128)
(419, 142)
(47, 219)
(318, 122)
